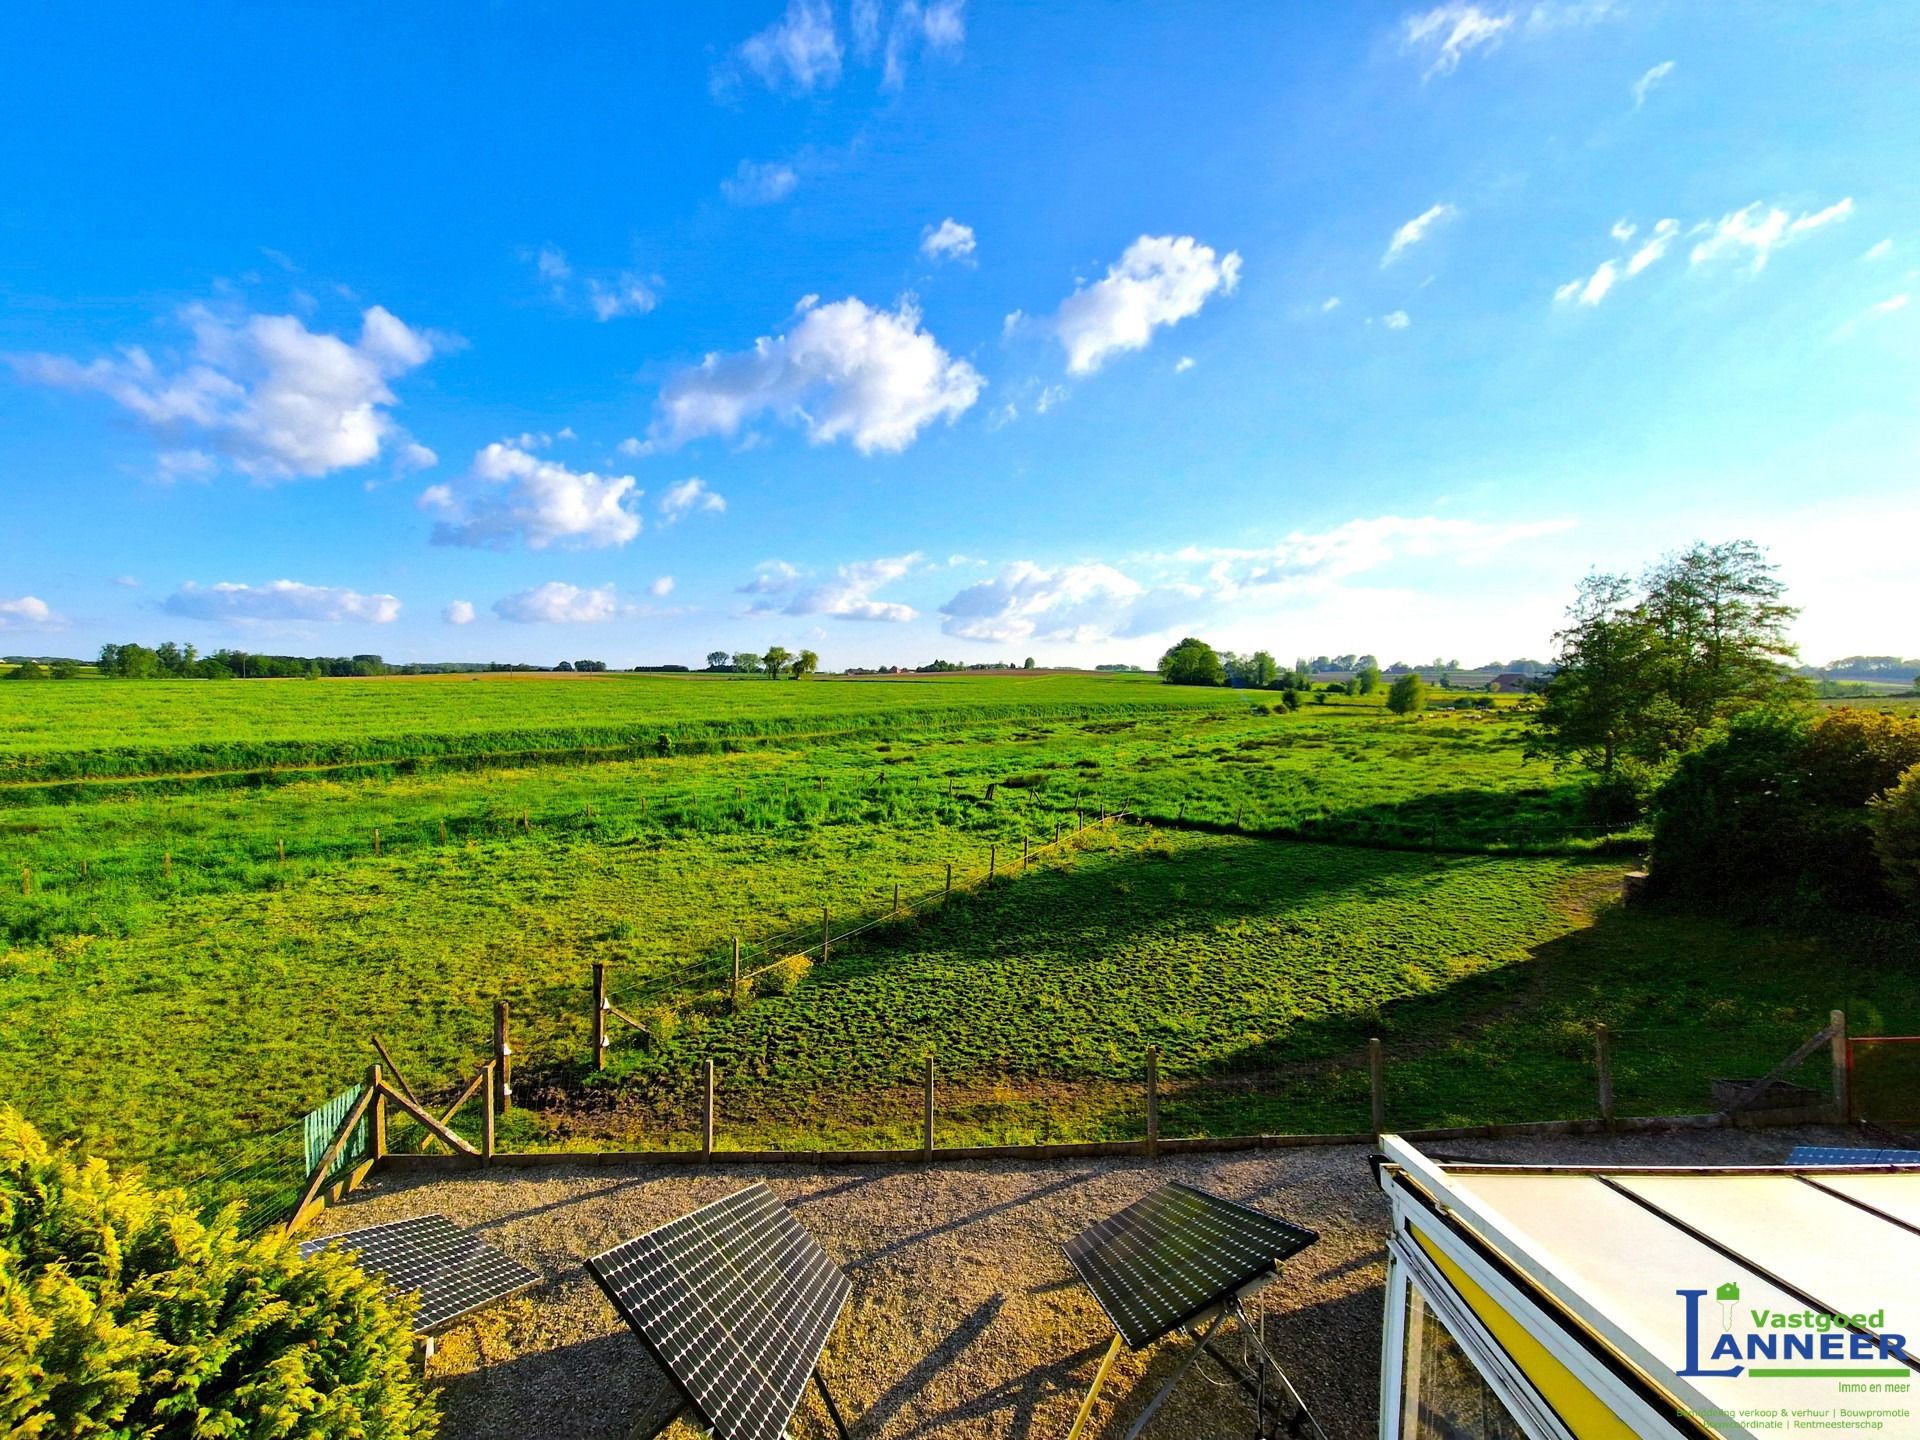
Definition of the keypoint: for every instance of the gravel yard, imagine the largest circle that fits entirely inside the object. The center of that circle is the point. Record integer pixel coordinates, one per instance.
(965, 1320)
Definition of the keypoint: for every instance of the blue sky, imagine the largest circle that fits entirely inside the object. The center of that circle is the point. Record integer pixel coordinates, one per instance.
(897, 330)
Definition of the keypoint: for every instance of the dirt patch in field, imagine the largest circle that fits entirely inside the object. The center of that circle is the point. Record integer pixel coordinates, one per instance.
(965, 1319)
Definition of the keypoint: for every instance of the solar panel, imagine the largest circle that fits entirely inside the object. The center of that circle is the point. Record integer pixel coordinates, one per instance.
(1843, 1155)
(453, 1270)
(1176, 1254)
(735, 1301)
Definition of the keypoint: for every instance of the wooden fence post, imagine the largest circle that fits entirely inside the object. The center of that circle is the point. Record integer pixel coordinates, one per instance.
(947, 894)
(1839, 1049)
(26, 881)
(826, 932)
(1153, 1101)
(379, 1112)
(896, 897)
(487, 1115)
(283, 850)
(599, 1015)
(166, 860)
(926, 1134)
(993, 860)
(443, 831)
(1377, 1074)
(1023, 852)
(376, 839)
(733, 991)
(502, 1056)
(706, 1114)
(1603, 1068)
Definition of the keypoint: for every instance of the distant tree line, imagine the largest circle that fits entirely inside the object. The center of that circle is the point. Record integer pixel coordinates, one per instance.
(778, 662)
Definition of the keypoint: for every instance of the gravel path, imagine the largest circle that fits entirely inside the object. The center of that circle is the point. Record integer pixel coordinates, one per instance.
(965, 1320)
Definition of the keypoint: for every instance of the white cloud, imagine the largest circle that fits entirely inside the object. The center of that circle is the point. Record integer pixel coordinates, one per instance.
(1080, 603)
(1758, 230)
(1889, 305)
(844, 371)
(1592, 290)
(1159, 280)
(800, 51)
(1184, 364)
(847, 596)
(937, 26)
(1623, 230)
(275, 398)
(551, 263)
(760, 183)
(558, 603)
(1416, 230)
(24, 612)
(1048, 398)
(949, 240)
(127, 582)
(460, 612)
(1879, 251)
(1316, 559)
(1330, 304)
(1396, 320)
(1449, 32)
(609, 295)
(1648, 81)
(689, 496)
(1656, 245)
(661, 587)
(178, 465)
(625, 294)
(279, 601)
(511, 494)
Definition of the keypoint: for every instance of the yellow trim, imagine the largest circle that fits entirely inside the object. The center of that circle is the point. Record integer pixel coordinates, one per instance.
(1579, 1409)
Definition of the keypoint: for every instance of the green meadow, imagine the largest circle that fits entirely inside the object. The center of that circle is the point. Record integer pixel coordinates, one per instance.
(224, 890)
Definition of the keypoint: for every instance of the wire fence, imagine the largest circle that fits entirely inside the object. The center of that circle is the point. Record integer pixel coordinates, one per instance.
(729, 976)
(1576, 1072)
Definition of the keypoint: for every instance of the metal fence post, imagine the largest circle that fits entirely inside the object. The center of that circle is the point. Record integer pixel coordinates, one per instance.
(502, 1056)
(599, 1015)
(1603, 1069)
(1153, 1101)
(1839, 1049)
(1377, 1074)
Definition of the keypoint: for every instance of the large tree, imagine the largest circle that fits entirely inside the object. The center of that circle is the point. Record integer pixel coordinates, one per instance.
(718, 659)
(1192, 662)
(775, 660)
(803, 664)
(1594, 712)
(1642, 672)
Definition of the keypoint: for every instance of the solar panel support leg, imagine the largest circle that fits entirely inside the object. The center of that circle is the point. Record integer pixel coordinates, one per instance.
(833, 1410)
(1160, 1396)
(1093, 1391)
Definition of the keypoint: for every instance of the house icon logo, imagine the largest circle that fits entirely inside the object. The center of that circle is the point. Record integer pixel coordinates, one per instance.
(1729, 1296)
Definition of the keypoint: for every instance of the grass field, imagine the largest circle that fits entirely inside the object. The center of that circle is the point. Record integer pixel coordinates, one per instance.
(169, 982)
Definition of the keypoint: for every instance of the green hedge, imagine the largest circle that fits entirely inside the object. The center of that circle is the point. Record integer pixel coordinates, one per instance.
(123, 1313)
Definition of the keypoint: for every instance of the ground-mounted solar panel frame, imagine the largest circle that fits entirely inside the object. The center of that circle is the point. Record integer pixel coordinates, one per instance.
(1816, 1156)
(453, 1271)
(1181, 1259)
(735, 1303)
